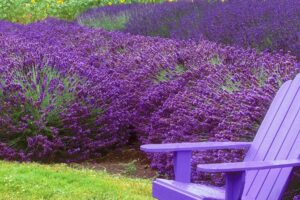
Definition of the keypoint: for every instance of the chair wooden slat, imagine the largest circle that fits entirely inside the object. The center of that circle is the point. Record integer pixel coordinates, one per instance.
(269, 117)
(265, 126)
(282, 121)
(280, 149)
(281, 181)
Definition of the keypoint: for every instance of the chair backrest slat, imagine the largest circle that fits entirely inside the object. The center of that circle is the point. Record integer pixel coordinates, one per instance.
(267, 122)
(277, 179)
(263, 129)
(284, 174)
(275, 140)
(280, 149)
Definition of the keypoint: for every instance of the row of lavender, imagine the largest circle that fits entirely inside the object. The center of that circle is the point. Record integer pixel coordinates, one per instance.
(72, 97)
(264, 25)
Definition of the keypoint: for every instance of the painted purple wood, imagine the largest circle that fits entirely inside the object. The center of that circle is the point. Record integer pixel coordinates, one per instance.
(289, 152)
(274, 139)
(174, 190)
(182, 166)
(235, 182)
(267, 121)
(276, 190)
(165, 192)
(171, 147)
(250, 165)
(268, 162)
(287, 145)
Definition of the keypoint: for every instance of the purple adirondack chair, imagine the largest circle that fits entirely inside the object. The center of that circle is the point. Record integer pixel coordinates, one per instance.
(267, 166)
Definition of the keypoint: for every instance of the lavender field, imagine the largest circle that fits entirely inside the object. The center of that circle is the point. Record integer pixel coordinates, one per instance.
(270, 25)
(70, 92)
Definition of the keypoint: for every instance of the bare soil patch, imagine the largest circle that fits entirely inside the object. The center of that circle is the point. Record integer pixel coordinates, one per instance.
(128, 161)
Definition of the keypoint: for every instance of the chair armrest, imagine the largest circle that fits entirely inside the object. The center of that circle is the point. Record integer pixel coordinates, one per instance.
(250, 165)
(200, 146)
(183, 154)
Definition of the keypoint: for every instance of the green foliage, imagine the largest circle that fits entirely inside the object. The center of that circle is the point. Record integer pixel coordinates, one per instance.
(215, 60)
(27, 11)
(162, 31)
(42, 101)
(35, 182)
(167, 74)
(130, 168)
(230, 86)
(261, 76)
(107, 22)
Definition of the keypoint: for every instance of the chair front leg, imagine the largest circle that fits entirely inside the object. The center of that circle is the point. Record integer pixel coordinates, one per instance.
(235, 182)
(182, 166)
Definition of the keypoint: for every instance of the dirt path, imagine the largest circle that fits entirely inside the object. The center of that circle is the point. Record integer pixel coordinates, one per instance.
(127, 161)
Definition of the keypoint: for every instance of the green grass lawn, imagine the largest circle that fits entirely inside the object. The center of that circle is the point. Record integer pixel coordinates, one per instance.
(34, 181)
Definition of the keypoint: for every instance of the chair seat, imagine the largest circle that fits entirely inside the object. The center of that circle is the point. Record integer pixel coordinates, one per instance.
(169, 189)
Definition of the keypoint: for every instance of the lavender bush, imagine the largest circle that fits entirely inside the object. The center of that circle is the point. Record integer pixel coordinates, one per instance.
(110, 17)
(51, 115)
(49, 110)
(161, 19)
(72, 97)
(264, 25)
(145, 19)
(272, 25)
